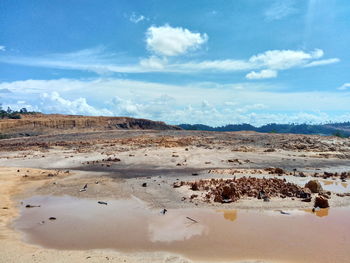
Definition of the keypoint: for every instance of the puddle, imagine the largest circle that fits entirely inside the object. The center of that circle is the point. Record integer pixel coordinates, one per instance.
(129, 226)
(320, 213)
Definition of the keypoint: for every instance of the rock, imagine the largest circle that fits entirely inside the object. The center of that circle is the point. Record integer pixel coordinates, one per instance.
(102, 203)
(301, 174)
(308, 200)
(305, 193)
(261, 195)
(177, 184)
(52, 218)
(270, 150)
(266, 199)
(194, 187)
(144, 185)
(193, 196)
(321, 202)
(314, 186)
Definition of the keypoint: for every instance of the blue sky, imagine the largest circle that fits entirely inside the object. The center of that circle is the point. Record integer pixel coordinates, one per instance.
(200, 61)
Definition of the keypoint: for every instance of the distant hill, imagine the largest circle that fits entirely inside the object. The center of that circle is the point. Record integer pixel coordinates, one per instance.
(37, 123)
(336, 129)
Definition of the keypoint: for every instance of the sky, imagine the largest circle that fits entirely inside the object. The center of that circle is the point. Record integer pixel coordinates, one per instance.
(200, 61)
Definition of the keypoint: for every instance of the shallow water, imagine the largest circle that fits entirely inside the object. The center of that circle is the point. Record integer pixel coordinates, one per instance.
(130, 226)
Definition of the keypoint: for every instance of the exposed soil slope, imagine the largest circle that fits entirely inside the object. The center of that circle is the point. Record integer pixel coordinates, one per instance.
(42, 123)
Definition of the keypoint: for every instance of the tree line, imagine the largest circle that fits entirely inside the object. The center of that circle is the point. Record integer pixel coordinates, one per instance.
(12, 114)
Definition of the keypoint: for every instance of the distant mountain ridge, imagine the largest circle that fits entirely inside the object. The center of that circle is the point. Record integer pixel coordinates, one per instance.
(337, 129)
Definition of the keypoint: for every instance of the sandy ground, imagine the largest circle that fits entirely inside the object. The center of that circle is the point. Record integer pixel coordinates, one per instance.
(157, 159)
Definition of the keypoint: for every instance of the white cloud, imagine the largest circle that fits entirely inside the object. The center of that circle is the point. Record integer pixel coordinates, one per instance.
(280, 9)
(54, 103)
(322, 62)
(345, 86)
(227, 65)
(101, 62)
(208, 103)
(284, 59)
(263, 74)
(153, 62)
(134, 18)
(2, 48)
(173, 41)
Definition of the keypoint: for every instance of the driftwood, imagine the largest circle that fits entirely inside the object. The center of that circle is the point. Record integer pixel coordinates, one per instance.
(189, 218)
(31, 206)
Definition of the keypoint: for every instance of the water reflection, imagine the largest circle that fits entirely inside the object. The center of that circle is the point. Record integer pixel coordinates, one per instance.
(230, 215)
(334, 186)
(173, 227)
(320, 213)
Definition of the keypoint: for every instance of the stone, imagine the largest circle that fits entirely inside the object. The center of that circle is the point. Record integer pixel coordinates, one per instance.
(314, 186)
(321, 202)
(308, 200)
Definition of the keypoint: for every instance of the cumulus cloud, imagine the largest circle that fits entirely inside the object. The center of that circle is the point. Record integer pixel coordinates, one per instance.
(134, 18)
(207, 103)
(173, 41)
(54, 103)
(263, 74)
(2, 48)
(345, 86)
(280, 9)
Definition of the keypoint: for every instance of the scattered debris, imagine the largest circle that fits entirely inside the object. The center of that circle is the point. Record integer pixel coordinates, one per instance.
(276, 170)
(31, 206)
(224, 190)
(83, 189)
(283, 213)
(189, 218)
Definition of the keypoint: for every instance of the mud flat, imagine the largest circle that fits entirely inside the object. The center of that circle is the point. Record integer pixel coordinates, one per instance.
(134, 172)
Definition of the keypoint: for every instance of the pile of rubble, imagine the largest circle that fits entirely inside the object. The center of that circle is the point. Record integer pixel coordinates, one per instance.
(343, 176)
(231, 190)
